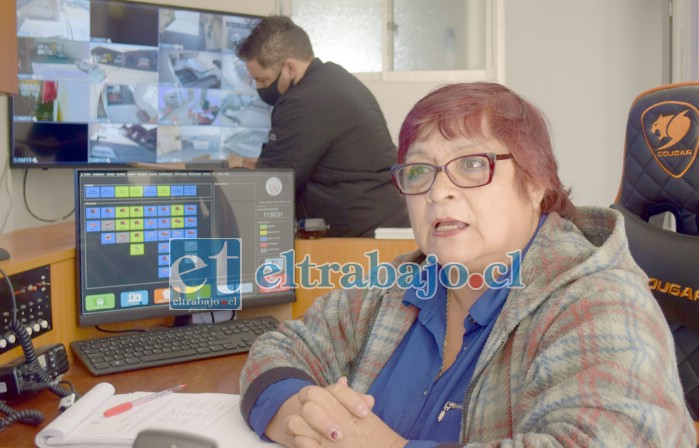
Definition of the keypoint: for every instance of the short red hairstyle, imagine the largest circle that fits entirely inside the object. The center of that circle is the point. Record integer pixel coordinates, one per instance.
(484, 109)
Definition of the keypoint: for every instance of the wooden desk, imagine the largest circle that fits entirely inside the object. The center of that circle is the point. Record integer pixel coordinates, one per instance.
(212, 375)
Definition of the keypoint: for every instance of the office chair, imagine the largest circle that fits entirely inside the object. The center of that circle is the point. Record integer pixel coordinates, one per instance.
(661, 180)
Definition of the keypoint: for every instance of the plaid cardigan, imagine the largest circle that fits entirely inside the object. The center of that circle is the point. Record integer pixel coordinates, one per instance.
(581, 356)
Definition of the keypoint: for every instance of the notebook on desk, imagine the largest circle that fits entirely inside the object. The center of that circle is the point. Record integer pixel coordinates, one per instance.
(212, 415)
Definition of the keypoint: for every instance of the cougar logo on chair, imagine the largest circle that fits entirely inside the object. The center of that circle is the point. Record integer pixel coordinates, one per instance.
(672, 135)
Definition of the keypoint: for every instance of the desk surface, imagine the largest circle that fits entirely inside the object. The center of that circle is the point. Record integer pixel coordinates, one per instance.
(211, 375)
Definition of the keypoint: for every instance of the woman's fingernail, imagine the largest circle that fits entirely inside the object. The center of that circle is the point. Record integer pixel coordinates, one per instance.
(335, 434)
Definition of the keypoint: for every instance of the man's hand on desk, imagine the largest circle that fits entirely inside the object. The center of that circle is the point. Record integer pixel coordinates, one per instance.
(242, 162)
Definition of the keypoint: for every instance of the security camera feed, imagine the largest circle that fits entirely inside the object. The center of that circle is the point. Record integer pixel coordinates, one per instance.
(111, 82)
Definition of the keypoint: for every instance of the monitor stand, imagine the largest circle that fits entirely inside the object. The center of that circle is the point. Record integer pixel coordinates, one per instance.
(204, 317)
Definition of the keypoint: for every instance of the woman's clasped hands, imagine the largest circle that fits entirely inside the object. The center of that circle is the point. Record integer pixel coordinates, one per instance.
(337, 416)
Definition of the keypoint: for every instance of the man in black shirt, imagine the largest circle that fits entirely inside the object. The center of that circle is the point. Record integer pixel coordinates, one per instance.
(328, 127)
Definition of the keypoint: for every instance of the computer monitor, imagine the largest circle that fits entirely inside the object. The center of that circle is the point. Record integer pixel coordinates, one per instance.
(119, 83)
(126, 220)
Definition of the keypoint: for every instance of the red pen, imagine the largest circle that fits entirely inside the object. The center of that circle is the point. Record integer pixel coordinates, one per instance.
(118, 409)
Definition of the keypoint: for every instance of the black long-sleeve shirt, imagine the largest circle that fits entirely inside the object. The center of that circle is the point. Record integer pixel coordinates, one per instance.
(330, 130)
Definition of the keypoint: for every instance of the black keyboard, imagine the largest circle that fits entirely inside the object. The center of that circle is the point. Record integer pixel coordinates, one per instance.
(171, 345)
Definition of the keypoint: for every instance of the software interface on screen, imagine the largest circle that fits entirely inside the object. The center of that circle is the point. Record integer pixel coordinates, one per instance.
(126, 220)
(115, 82)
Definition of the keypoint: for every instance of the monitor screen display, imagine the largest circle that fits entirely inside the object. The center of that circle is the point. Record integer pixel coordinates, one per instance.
(127, 219)
(113, 82)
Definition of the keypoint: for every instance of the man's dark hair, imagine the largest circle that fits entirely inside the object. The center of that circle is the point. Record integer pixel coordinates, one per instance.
(274, 39)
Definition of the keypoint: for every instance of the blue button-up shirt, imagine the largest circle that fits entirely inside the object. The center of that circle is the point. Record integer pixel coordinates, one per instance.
(409, 399)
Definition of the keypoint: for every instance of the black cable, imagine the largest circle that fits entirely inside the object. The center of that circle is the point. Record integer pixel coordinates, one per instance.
(26, 204)
(131, 330)
(69, 385)
(28, 416)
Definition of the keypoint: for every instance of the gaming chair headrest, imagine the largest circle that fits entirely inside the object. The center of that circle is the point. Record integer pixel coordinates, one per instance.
(662, 138)
(660, 175)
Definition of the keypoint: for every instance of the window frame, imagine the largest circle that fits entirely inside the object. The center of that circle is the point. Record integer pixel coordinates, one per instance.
(494, 69)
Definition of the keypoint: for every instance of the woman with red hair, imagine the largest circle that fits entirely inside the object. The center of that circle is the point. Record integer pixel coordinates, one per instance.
(542, 330)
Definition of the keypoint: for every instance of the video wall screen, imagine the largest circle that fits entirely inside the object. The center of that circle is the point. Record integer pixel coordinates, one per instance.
(111, 82)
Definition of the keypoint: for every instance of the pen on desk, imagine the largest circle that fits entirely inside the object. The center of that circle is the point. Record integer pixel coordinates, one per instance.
(118, 409)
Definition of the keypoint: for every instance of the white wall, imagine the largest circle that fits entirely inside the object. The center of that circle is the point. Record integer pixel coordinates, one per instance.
(583, 62)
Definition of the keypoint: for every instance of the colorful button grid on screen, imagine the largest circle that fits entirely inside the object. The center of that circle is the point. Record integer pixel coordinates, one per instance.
(139, 191)
(136, 224)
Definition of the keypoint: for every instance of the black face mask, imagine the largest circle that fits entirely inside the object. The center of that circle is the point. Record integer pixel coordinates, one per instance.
(270, 94)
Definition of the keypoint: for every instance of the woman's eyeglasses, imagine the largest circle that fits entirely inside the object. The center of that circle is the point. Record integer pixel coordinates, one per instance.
(473, 170)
